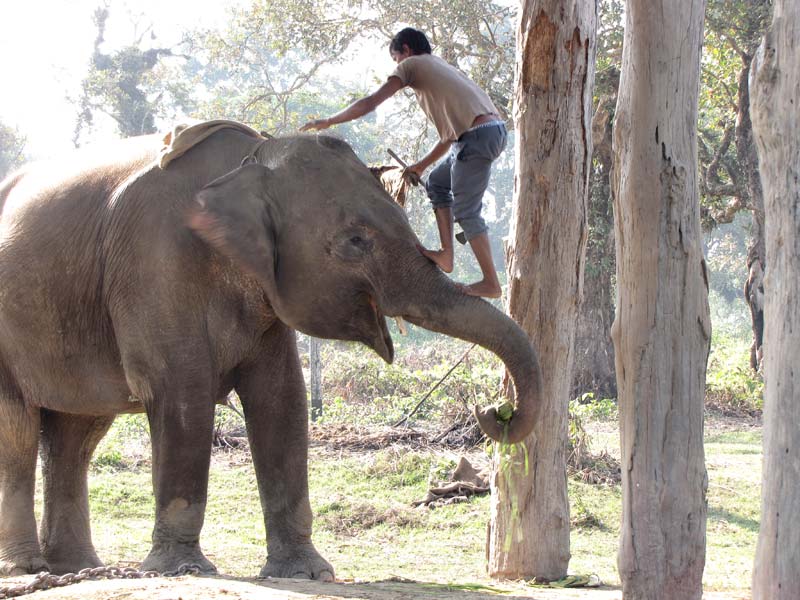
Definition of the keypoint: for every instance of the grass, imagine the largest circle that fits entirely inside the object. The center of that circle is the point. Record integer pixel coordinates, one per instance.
(365, 524)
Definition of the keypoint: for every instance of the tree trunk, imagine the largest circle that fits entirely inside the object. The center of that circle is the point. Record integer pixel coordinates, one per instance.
(529, 530)
(662, 329)
(756, 259)
(776, 122)
(594, 351)
(315, 376)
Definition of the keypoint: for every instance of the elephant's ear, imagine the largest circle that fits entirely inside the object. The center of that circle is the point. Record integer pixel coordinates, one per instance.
(232, 214)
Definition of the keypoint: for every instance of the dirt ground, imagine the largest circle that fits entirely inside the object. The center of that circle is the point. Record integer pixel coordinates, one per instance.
(222, 588)
(240, 588)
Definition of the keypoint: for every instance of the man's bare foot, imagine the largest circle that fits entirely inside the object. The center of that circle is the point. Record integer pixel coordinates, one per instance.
(442, 258)
(482, 289)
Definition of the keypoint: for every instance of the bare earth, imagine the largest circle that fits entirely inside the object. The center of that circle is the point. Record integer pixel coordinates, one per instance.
(222, 588)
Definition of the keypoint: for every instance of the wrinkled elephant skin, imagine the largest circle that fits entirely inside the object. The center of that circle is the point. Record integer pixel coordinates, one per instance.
(125, 287)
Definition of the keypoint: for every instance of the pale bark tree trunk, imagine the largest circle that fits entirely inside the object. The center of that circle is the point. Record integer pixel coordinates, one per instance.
(662, 329)
(315, 376)
(594, 351)
(529, 529)
(775, 107)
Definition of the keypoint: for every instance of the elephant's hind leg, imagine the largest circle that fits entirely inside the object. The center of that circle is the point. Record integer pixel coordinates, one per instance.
(19, 439)
(68, 442)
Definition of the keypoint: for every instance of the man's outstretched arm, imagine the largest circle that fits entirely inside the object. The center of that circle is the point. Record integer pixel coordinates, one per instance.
(359, 108)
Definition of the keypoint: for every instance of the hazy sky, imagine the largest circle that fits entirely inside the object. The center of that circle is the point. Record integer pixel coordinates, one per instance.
(45, 47)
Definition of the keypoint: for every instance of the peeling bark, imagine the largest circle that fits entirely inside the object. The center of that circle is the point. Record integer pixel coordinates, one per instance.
(662, 328)
(529, 531)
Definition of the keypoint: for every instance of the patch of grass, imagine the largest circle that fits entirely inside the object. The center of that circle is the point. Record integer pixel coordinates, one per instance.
(365, 524)
(733, 461)
(731, 384)
(125, 446)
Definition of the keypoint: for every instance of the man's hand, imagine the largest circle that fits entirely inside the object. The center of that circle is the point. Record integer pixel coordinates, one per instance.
(413, 173)
(317, 124)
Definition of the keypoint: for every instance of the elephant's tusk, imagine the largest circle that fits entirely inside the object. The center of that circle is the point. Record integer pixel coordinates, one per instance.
(401, 325)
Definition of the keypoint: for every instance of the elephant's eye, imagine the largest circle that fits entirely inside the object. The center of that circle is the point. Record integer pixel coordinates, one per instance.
(354, 244)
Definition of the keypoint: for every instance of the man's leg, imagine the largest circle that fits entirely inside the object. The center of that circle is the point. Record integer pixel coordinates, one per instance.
(470, 180)
(438, 188)
(489, 286)
(444, 223)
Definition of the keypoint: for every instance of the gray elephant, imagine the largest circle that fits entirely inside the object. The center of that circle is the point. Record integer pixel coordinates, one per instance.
(127, 287)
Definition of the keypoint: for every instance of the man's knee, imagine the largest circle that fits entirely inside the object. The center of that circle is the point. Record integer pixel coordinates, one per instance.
(472, 226)
(439, 197)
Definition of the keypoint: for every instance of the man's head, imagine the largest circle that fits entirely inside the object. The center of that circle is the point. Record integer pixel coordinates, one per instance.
(408, 42)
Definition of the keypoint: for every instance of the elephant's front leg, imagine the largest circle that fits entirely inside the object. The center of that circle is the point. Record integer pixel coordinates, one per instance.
(273, 396)
(181, 428)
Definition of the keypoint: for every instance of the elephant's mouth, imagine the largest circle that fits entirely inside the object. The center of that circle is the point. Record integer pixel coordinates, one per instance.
(382, 339)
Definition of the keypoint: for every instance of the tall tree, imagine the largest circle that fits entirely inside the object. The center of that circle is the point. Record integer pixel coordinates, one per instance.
(662, 328)
(776, 122)
(529, 529)
(594, 351)
(125, 85)
(729, 176)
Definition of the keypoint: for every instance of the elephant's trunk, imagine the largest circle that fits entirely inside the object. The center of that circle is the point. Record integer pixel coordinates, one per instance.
(453, 313)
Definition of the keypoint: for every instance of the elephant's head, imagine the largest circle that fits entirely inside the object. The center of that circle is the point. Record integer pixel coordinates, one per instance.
(335, 256)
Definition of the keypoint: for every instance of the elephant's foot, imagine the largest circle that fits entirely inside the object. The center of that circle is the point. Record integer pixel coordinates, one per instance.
(302, 563)
(22, 565)
(71, 561)
(169, 557)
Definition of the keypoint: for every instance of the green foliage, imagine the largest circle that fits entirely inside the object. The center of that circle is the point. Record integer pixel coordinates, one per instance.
(732, 34)
(126, 446)
(359, 388)
(12, 145)
(132, 85)
(610, 33)
(730, 382)
(587, 407)
(726, 260)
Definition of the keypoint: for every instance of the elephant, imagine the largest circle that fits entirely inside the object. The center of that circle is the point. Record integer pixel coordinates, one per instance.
(130, 287)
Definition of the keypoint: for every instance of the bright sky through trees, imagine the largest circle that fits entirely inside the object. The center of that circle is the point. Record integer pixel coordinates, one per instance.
(46, 47)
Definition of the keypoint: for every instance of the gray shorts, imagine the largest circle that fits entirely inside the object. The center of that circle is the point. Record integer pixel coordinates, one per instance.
(461, 178)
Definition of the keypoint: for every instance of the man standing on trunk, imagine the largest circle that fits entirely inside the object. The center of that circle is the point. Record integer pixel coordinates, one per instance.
(471, 136)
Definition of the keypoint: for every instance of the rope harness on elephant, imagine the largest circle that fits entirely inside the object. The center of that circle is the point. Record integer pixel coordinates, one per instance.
(45, 581)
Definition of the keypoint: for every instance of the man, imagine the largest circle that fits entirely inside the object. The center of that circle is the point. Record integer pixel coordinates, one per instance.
(471, 137)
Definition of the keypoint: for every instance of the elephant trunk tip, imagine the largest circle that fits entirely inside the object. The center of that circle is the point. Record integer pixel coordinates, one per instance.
(504, 430)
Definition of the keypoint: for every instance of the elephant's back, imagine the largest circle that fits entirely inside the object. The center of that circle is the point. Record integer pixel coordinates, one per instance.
(72, 184)
(51, 273)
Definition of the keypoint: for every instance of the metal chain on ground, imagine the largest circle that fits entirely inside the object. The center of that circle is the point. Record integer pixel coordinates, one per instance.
(45, 580)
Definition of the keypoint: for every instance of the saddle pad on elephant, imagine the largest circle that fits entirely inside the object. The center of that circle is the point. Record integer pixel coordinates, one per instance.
(186, 135)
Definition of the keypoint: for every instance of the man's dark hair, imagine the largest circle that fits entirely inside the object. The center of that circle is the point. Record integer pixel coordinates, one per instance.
(413, 38)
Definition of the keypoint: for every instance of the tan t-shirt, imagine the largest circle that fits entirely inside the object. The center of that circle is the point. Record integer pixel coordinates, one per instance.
(447, 96)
